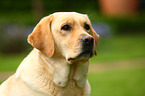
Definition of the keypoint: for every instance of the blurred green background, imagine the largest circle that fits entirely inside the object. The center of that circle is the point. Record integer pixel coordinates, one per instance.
(118, 69)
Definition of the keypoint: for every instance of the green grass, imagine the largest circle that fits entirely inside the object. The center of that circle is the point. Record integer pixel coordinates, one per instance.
(118, 83)
(10, 62)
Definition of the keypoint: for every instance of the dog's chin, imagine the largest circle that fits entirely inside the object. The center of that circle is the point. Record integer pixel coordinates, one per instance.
(83, 56)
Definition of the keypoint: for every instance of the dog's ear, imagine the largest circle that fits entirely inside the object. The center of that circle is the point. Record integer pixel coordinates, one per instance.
(96, 40)
(42, 38)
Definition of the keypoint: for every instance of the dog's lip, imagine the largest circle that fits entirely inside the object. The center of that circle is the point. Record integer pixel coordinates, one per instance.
(71, 60)
(81, 56)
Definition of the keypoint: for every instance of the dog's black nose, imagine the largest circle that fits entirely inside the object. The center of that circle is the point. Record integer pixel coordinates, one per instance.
(88, 40)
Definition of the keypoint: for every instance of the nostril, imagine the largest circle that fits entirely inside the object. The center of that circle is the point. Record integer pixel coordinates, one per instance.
(87, 39)
(92, 40)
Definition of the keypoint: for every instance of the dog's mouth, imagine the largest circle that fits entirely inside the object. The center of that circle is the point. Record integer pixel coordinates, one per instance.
(83, 56)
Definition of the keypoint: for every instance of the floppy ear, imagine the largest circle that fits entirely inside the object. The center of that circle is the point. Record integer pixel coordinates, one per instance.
(96, 40)
(42, 38)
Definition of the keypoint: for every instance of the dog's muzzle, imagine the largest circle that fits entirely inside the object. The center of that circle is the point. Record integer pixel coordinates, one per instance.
(87, 48)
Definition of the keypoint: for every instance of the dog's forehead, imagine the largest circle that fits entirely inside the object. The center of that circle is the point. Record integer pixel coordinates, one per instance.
(63, 16)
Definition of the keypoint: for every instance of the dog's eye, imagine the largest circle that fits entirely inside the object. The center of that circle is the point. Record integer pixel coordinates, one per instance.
(66, 28)
(87, 27)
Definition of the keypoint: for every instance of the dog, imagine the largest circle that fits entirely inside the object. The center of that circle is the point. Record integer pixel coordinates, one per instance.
(58, 65)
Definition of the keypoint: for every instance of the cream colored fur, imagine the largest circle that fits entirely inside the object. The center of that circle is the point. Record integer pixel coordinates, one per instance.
(46, 71)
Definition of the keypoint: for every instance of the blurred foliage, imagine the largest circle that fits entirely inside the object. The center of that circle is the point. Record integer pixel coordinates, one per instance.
(24, 13)
(128, 25)
(12, 45)
(25, 9)
(49, 6)
(120, 48)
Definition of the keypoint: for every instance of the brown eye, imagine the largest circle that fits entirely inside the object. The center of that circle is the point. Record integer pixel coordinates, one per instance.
(87, 27)
(66, 28)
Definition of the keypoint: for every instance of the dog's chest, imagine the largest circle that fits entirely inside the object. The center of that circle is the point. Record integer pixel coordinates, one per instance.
(45, 82)
(70, 90)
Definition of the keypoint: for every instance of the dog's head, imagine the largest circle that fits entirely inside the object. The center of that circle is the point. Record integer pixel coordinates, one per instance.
(67, 33)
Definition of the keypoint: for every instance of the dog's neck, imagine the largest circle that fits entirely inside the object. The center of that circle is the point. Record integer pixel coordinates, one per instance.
(64, 72)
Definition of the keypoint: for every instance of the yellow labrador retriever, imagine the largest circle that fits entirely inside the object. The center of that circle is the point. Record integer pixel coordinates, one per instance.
(58, 65)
